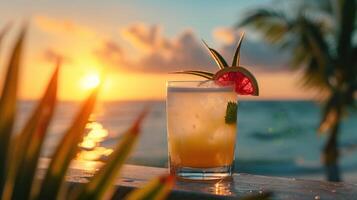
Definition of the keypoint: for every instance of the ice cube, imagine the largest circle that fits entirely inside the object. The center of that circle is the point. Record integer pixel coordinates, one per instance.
(224, 133)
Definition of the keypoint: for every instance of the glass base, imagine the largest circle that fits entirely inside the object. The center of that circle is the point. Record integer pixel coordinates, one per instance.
(201, 174)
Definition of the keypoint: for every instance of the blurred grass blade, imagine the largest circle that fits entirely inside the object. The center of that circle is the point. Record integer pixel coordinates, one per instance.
(104, 178)
(8, 105)
(66, 151)
(30, 141)
(216, 56)
(236, 57)
(4, 31)
(157, 189)
(203, 74)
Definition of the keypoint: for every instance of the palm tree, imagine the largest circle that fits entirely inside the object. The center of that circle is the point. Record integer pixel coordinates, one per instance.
(320, 39)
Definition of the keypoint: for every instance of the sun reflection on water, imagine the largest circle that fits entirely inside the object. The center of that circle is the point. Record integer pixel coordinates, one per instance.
(90, 146)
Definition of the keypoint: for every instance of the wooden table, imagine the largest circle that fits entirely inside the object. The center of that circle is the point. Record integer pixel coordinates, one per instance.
(239, 185)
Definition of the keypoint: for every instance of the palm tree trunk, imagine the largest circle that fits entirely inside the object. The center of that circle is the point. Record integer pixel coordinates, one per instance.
(331, 153)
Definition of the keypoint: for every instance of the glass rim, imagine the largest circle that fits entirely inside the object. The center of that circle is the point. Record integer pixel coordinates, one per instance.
(195, 84)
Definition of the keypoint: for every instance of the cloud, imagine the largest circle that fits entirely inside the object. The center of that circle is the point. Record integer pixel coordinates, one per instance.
(145, 38)
(67, 27)
(183, 52)
(161, 54)
(225, 35)
(158, 54)
(111, 53)
(52, 55)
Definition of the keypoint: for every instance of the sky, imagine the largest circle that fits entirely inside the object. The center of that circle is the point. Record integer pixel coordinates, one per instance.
(134, 44)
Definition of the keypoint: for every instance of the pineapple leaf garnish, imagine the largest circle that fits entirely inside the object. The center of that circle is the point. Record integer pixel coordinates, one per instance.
(236, 57)
(203, 74)
(229, 75)
(217, 57)
(231, 113)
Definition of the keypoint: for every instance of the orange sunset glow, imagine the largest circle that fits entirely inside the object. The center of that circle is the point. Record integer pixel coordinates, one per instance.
(205, 92)
(128, 86)
(136, 58)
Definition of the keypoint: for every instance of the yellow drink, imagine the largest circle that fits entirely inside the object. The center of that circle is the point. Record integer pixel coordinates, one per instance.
(198, 136)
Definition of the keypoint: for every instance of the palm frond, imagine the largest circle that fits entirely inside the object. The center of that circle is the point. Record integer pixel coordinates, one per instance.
(316, 45)
(8, 105)
(273, 24)
(312, 77)
(299, 57)
(321, 6)
(263, 14)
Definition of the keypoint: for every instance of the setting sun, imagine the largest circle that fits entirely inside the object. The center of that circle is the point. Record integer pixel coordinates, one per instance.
(242, 92)
(90, 81)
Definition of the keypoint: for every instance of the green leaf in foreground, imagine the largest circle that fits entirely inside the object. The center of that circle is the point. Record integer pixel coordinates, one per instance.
(157, 189)
(4, 31)
(8, 105)
(30, 141)
(103, 180)
(66, 151)
(231, 113)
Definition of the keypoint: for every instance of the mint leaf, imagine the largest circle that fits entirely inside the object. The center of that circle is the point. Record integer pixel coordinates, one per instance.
(231, 113)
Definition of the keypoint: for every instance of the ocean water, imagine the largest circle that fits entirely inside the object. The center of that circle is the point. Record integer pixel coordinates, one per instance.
(274, 137)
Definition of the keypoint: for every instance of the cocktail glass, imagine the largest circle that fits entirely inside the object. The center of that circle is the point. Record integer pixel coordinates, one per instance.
(201, 143)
